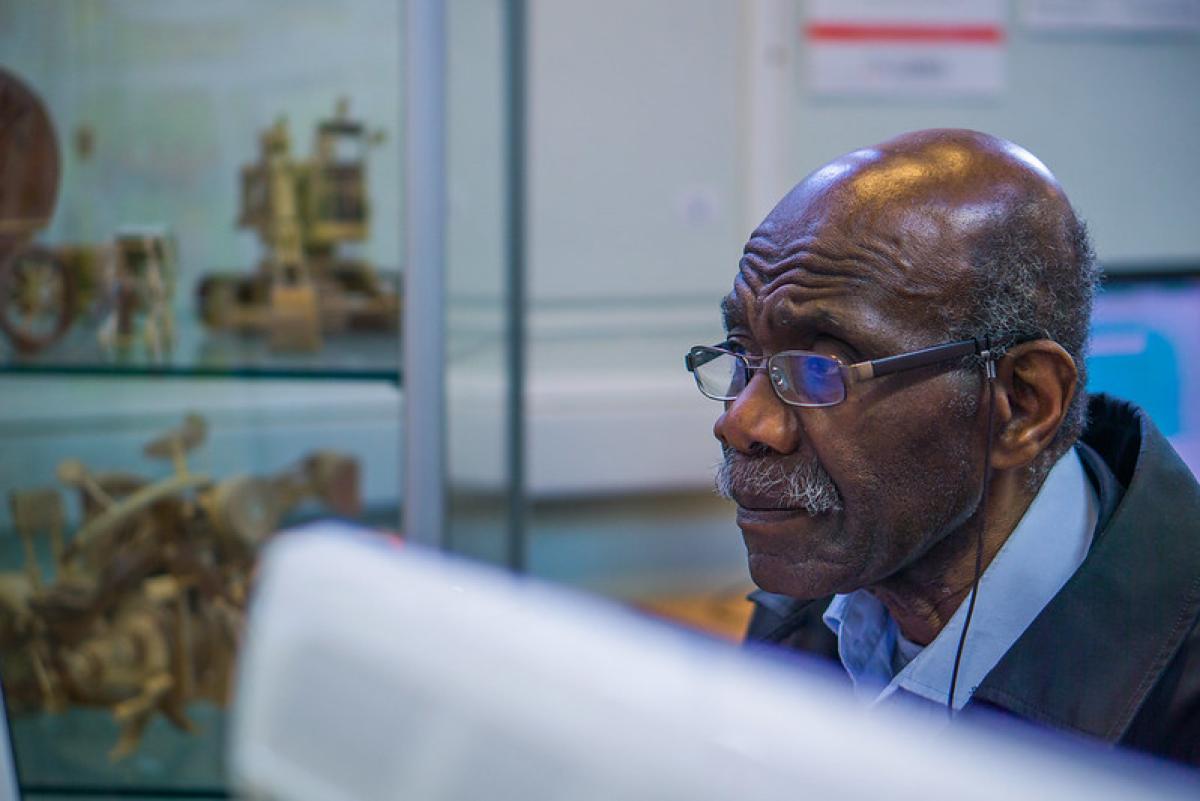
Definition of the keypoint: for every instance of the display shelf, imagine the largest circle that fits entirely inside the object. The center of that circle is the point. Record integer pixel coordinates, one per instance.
(198, 353)
(60, 755)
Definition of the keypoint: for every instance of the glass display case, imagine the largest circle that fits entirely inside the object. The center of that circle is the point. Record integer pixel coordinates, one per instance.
(201, 250)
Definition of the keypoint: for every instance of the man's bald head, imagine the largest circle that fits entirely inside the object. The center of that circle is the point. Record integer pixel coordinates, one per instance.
(975, 228)
(951, 185)
(956, 165)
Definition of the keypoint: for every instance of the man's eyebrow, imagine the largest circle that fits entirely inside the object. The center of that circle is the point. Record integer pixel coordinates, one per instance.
(822, 321)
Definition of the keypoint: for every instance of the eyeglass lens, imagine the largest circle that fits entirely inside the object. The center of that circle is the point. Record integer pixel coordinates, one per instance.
(807, 378)
(719, 375)
(799, 378)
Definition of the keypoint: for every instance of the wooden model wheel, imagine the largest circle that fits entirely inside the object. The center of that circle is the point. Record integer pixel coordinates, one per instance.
(29, 164)
(36, 299)
(35, 293)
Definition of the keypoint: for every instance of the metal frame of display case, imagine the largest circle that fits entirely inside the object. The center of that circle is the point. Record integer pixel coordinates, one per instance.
(516, 50)
(424, 319)
(425, 496)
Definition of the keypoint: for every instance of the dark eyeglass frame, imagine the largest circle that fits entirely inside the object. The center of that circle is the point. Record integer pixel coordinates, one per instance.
(850, 373)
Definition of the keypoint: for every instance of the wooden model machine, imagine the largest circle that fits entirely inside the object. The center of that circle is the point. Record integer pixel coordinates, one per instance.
(142, 612)
(43, 290)
(303, 211)
(140, 282)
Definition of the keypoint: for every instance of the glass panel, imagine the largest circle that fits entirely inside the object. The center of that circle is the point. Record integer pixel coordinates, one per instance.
(477, 377)
(636, 220)
(211, 193)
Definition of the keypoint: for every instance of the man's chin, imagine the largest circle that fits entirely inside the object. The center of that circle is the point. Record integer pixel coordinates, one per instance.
(784, 577)
(788, 551)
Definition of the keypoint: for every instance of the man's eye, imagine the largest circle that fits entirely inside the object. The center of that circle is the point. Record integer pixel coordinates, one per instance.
(838, 356)
(835, 350)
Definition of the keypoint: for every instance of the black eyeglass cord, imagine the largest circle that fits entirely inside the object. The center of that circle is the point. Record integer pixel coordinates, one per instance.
(990, 373)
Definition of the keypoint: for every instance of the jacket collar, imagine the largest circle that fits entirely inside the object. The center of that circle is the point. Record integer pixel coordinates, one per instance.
(1089, 660)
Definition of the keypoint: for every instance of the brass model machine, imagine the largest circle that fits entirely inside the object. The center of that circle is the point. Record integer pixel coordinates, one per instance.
(303, 212)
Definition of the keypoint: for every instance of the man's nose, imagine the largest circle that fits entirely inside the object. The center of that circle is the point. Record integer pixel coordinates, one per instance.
(757, 417)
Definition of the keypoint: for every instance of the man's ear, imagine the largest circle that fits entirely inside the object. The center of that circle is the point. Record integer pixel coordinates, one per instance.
(1035, 382)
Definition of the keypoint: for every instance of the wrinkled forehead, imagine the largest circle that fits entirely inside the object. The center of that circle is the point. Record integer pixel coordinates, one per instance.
(841, 231)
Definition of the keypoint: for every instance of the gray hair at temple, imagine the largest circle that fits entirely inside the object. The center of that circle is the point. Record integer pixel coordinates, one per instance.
(1035, 276)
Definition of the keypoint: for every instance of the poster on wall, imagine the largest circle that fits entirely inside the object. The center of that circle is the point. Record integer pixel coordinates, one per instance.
(1154, 16)
(905, 48)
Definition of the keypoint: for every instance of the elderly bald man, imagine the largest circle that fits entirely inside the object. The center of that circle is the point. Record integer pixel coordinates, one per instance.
(925, 491)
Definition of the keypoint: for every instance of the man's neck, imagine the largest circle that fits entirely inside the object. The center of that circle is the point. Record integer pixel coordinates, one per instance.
(923, 597)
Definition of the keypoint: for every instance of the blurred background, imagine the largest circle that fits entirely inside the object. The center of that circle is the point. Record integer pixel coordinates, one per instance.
(629, 147)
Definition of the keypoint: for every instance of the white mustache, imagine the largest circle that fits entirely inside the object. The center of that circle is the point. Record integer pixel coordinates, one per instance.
(806, 486)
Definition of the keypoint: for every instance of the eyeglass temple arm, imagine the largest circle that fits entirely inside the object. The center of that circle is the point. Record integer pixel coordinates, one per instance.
(921, 358)
(699, 356)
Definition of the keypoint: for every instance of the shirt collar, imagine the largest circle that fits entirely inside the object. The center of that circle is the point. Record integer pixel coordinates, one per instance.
(1042, 552)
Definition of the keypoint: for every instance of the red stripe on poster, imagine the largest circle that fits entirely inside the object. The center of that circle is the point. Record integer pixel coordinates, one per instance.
(934, 34)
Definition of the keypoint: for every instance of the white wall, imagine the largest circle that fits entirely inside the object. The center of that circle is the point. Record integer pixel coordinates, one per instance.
(633, 147)
(637, 105)
(1114, 116)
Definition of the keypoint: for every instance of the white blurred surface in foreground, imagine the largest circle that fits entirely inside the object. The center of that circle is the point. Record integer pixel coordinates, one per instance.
(377, 672)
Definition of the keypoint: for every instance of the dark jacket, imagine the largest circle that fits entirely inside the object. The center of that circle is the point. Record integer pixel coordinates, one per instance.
(1115, 655)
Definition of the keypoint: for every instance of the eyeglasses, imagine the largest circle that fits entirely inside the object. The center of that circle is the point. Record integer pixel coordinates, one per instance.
(804, 378)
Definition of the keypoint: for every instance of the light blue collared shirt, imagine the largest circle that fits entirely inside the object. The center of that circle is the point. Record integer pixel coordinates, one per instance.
(1042, 552)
